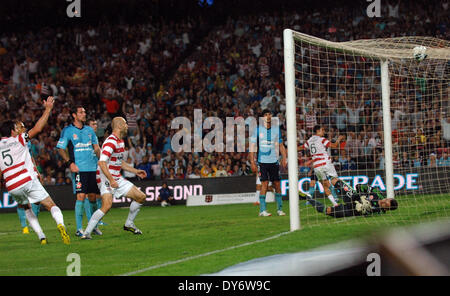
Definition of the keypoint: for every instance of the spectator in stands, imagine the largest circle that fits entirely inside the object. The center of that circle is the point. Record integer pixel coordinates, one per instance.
(444, 160)
(145, 166)
(180, 174)
(221, 172)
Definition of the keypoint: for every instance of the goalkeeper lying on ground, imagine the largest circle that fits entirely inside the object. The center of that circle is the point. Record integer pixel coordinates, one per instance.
(364, 201)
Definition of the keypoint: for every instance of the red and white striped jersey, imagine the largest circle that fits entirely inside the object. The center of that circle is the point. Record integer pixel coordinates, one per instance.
(16, 163)
(112, 153)
(318, 148)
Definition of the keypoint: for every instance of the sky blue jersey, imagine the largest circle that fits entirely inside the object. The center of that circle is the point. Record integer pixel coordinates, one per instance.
(79, 144)
(268, 143)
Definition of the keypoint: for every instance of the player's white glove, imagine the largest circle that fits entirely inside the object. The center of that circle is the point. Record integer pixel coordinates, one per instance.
(363, 207)
(358, 206)
(366, 207)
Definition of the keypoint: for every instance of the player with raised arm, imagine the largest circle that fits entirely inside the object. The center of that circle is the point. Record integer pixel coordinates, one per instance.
(20, 129)
(110, 181)
(322, 165)
(81, 156)
(20, 178)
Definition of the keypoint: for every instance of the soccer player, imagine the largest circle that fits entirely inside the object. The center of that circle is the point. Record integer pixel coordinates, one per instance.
(110, 181)
(266, 140)
(363, 201)
(83, 150)
(323, 167)
(94, 201)
(312, 186)
(20, 128)
(18, 171)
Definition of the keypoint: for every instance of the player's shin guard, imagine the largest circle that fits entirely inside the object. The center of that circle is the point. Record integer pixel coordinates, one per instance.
(279, 200)
(262, 203)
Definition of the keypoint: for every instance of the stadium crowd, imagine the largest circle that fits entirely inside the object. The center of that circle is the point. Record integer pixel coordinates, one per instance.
(235, 70)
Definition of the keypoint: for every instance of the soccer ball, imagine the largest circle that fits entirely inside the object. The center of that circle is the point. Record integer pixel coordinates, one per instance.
(419, 53)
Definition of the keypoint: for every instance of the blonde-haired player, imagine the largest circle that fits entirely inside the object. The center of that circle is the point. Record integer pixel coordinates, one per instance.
(110, 181)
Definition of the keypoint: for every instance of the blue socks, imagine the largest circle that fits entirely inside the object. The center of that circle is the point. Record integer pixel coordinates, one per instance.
(311, 191)
(262, 203)
(36, 209)
(333, 192)
(22, 217)
(79, 211)
(88, 208)
(279, 201)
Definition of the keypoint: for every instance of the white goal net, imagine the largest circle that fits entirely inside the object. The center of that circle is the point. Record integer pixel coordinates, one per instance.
(390, 99)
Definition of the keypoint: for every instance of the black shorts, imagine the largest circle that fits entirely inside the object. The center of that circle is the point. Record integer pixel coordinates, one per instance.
(85, 182)
(269, 172)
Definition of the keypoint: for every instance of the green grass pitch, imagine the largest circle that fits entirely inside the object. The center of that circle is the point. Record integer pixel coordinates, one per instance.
(182, 240)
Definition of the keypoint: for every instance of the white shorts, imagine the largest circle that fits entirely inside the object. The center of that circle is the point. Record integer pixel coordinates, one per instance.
(326, 171)
(31, 192)
(105, 188)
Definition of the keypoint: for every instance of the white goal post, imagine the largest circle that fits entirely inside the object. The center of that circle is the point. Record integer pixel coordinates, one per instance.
(291, 126)
(399, 53)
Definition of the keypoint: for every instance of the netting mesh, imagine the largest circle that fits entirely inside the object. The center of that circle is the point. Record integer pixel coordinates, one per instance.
(338, 85)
